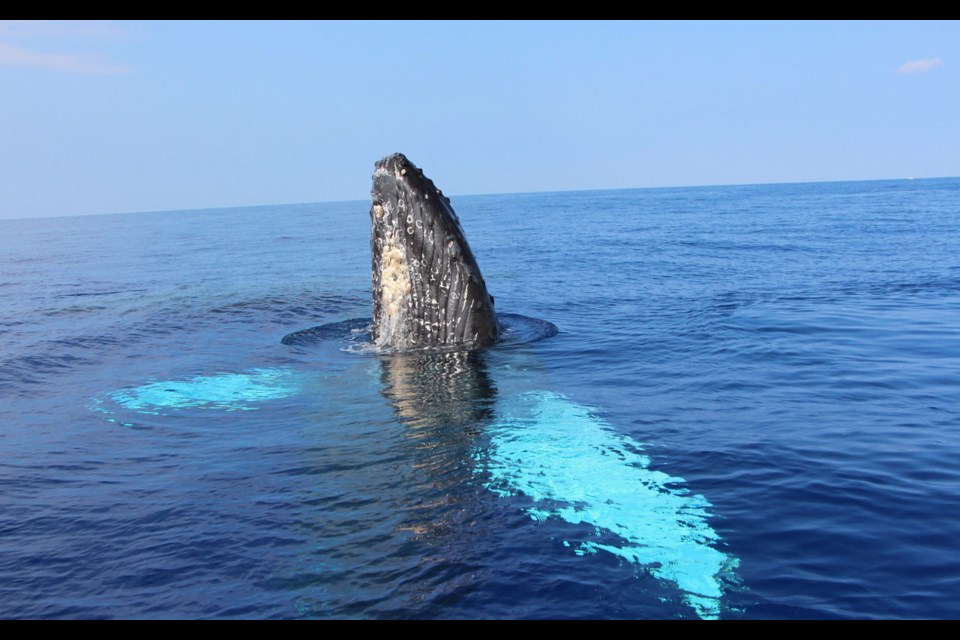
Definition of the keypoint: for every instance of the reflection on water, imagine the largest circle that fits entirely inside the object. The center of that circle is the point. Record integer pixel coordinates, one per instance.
(444, 400)
(439, 391)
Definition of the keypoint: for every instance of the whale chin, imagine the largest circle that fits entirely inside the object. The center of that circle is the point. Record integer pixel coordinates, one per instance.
(428, 292)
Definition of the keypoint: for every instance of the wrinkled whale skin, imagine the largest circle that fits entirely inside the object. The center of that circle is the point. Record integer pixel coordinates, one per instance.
(428, 292)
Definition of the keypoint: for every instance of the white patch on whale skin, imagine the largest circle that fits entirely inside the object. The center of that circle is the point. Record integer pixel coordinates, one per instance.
(395, 289)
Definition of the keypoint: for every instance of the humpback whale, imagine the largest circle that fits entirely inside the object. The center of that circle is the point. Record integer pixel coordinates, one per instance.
(428, 292)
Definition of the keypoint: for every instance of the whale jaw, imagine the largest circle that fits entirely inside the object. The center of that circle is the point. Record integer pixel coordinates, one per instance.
(428, 292)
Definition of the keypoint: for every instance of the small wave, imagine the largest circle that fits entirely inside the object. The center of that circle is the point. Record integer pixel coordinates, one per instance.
(75, 309)
(288, 307)
(358, 328)
(85, 294)
(516, 329)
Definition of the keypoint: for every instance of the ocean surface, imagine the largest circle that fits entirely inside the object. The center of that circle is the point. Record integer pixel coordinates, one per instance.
(751, 410)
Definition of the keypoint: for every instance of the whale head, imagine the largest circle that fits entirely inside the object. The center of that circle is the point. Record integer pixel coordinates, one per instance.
(428, 292)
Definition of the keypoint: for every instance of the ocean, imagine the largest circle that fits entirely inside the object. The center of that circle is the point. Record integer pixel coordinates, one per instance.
(751, 409)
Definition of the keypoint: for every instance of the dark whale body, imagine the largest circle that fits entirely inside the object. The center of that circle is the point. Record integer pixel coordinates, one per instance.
(428, 292)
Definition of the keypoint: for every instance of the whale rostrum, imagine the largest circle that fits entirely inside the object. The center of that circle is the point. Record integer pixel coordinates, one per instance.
(428, 292)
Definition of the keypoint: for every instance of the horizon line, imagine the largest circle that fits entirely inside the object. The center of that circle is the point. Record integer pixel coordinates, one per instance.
(472, 195)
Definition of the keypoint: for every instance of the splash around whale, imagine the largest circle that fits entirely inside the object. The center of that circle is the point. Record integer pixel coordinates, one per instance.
(428, 293)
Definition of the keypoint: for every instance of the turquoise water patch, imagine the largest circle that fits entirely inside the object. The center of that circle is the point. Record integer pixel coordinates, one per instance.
(223, 391)
(575, 467)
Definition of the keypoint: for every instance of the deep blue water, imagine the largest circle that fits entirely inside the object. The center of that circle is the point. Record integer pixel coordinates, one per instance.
(752, 410)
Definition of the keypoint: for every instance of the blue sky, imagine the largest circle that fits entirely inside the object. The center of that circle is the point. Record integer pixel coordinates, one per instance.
(110, 117)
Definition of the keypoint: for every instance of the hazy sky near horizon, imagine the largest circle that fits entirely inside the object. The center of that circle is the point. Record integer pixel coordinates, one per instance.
(111, 117)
